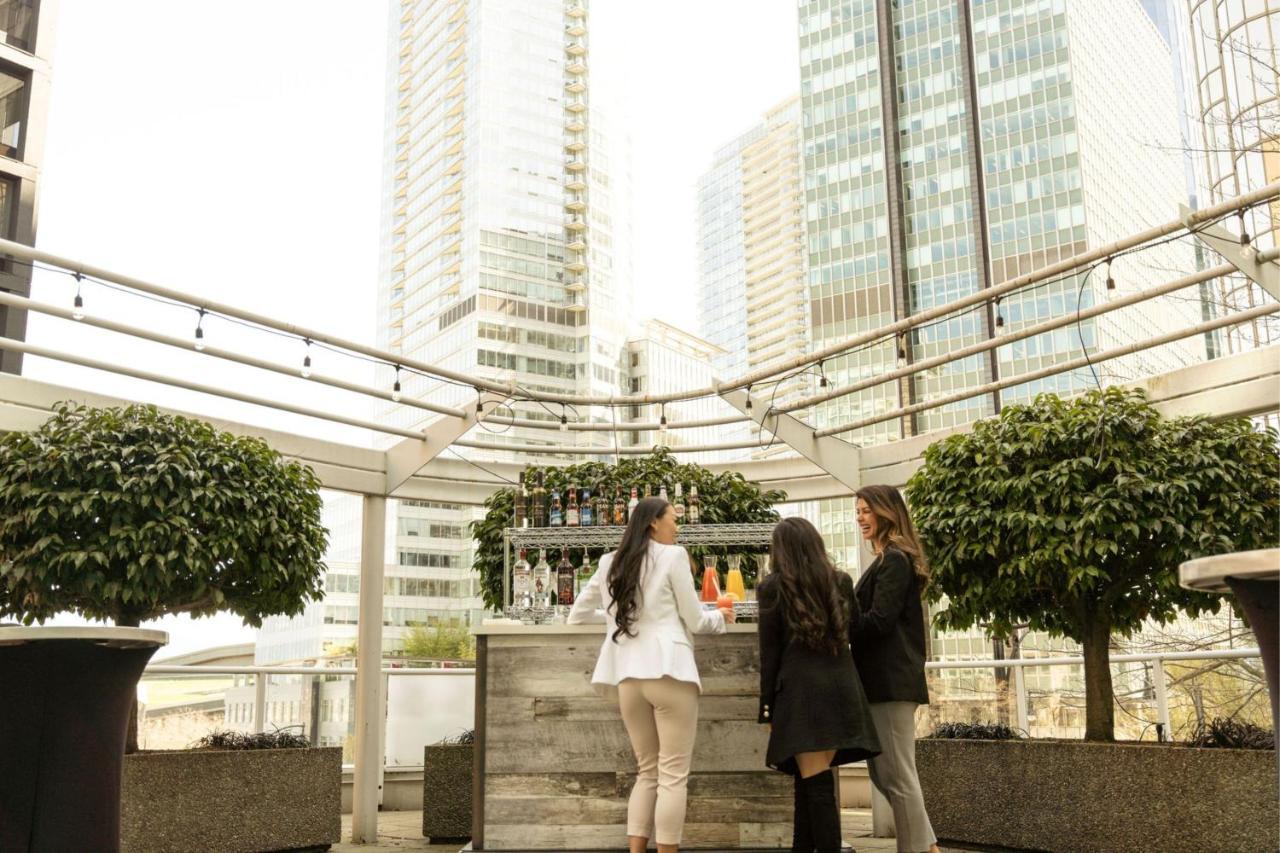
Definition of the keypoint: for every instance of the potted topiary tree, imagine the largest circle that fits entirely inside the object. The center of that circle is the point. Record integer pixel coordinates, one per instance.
(128, 514)
(1071, 517)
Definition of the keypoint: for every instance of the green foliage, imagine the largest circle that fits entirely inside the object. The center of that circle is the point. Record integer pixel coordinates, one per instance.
(724, 498)
(1221, 733)
(975, 731)
(286, 738)
(448, 642)
(129, 514)
(1072, 517)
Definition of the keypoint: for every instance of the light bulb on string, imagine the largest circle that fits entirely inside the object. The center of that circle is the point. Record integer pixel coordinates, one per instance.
(77, 305)
(999, 316)
(564, 419)
(822, 376)
(199, 343)
(1244, 230)
(1111, 282)
(395, 389)
(748, 398)
(662, 421)
(902, 352)
(479, 402)
(306, 361)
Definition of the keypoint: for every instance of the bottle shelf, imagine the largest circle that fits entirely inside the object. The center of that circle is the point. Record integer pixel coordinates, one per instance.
(609, 536)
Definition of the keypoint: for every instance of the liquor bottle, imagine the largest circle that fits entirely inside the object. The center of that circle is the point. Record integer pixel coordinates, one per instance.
(542, 581)
(564, 580)
(539, 503)
(572, 515)
(679, 503)
(555, 514)
(587, 512)
(631, 504)
(619, 507)
(522, 501)
(648, 490)
(584, 574)
(522, 582)
(604, 513)
(662, 493)
(694, 511)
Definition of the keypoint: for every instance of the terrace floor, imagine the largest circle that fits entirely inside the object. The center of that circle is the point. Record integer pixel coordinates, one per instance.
(403, 831)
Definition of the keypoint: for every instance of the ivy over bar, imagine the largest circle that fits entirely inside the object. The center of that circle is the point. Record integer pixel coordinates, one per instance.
(726, 498)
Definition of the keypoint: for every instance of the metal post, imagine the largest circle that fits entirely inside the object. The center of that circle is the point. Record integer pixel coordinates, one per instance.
(1020, 693)
(370, 698)
(260, 702)
(1162, 696)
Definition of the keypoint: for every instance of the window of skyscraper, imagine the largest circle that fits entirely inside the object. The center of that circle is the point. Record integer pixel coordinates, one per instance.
(18, 22)
(13, 108)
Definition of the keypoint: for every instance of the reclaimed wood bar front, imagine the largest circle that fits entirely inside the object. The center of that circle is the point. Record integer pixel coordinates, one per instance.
(554, 767)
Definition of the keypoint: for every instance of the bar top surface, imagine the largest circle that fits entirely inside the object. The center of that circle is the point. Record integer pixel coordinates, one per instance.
(596, 629)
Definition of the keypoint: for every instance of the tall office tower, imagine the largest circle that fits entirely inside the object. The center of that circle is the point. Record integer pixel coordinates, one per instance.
(751, 258)
(505, 255)
(26, 45)
(1010, 138)
(951, 146)
(1234, 49)
(662, 359)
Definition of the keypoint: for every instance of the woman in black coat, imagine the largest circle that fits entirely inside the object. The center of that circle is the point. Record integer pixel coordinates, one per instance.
(810, 695)
(888, 638)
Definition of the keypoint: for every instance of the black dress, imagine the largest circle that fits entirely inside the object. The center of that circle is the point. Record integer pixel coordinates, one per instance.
(813, 699)
(888, 631)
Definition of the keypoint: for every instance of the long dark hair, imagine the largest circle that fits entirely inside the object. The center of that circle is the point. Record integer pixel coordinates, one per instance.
(894, 527)
(812, 607)
(628, 560)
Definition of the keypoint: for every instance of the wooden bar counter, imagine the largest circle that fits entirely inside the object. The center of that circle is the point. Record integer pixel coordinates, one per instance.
(554, 767)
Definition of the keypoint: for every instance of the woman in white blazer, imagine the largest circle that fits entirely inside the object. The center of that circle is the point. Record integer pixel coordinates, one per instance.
(644, 594)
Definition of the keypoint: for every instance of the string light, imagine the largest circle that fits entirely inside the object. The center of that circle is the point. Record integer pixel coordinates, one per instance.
(200, 332)
(902, 351)
(999, 316)
(822, 376)
(479, 402)
(1111, 282)
(564, 419)
(662, 421)
(1244, 230)
(77, 312)
(306, 361)
(395, 389)
(748, 398)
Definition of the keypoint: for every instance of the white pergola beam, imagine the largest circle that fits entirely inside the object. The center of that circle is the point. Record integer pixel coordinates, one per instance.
(838, 458)
(1258, 266)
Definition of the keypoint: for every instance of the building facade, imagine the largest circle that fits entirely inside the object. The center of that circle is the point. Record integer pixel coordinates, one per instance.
(1236, 110)
(26, 48)
(505, 254)
(662, 359)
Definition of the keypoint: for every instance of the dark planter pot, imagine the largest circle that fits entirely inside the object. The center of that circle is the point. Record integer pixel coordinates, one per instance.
(68, 693)
(232, 801)
(446, 792)
(1073, 797)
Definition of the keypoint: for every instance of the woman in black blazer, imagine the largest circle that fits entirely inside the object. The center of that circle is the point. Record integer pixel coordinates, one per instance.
(809, 691)
(888, 637)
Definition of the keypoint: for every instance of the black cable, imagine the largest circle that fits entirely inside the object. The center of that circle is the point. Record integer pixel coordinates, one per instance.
(481, 467)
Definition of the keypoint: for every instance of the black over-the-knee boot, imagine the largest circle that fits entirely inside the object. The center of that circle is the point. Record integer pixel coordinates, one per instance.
(801, 832)
(824, 815)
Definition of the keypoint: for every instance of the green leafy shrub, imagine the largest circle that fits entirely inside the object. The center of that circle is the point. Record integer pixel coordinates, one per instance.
(723, 498)
(1073, 516)
(129, 514)
(976, 731)
(284, 738)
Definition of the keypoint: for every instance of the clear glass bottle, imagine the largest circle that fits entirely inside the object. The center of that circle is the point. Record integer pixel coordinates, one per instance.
(678, 504)
(694, 511)
(542, 581)
(587, 511)
(522, 582)
(631, 504)
(555, 515)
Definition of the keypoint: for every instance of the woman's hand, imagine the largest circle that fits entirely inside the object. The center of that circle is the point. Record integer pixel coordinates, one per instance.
(727, 613)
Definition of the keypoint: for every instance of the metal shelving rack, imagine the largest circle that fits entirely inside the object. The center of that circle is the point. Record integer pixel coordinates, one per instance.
(741, 535)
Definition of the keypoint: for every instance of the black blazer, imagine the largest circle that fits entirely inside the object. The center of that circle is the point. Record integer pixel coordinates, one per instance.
(775, 639)
(888, 634)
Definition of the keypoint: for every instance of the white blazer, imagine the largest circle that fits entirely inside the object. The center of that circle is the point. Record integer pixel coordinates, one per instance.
(668, 615)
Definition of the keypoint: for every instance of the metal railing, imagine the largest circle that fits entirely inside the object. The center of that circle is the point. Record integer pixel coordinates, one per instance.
(1156, 659)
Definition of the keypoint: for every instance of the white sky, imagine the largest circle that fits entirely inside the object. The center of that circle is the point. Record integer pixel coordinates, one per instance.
(232, 150)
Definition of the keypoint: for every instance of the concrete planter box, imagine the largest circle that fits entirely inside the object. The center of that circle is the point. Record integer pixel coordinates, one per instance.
(1069, 796)
(446, 791)
(232, 801)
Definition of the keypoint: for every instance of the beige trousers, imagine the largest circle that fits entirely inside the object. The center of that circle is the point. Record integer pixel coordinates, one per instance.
(661, 716)
(893, 771)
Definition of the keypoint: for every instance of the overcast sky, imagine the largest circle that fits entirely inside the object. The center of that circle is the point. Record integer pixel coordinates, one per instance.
(231, 150)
